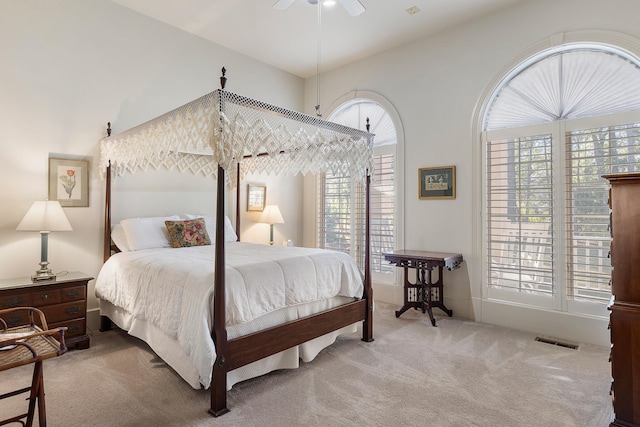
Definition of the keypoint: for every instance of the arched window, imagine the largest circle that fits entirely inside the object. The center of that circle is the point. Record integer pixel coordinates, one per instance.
(552, 127)
(341, 199)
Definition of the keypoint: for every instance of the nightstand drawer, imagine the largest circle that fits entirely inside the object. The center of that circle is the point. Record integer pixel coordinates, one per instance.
(17, 319)
(74, 293)
(65, 311)
(16, 300)
(46, 297)
(76, 328)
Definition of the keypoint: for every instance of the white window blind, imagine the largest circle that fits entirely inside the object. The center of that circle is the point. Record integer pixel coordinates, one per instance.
(341, 201)
(520, 209)
(382, 202)
(592, 153)
(567, 82)
(342, 216)
(335, 212)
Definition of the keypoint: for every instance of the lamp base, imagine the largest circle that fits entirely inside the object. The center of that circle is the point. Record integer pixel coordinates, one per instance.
(42, 277)
(43, 274)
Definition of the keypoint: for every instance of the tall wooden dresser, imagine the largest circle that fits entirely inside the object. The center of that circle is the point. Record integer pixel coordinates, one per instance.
(624, 201)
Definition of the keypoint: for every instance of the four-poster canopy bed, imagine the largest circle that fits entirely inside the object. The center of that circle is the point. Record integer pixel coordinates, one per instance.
(212, 135)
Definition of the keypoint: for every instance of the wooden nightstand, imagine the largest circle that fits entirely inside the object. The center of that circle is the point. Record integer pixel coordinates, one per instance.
(63, 301)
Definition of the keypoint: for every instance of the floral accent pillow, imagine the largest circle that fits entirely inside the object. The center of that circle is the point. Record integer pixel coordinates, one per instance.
(188, 232)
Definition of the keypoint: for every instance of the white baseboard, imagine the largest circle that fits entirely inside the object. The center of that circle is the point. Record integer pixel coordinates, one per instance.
(565, 326)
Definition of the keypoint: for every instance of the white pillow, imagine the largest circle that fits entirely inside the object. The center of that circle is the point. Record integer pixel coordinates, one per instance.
(210, 223)
(147, 233)
(120, 238)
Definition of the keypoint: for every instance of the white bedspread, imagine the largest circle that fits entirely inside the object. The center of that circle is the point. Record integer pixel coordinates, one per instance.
(173, 288)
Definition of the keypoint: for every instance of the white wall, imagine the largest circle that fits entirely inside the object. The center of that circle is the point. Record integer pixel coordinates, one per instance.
(435, 84)
(68, 67)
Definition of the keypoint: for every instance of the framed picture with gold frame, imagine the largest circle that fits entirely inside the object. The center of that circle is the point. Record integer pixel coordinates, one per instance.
(437, 183)
(69, 182)
(256, 197)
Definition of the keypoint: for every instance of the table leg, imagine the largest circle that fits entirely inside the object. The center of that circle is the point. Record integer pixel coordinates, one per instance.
(427, 298)
(406, 305)
(440, 301)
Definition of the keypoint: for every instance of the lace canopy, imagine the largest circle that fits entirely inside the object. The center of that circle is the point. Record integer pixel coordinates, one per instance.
(223, 128)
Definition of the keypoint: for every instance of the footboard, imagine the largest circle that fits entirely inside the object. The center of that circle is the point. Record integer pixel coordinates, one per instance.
(237, 352)
(258, 345)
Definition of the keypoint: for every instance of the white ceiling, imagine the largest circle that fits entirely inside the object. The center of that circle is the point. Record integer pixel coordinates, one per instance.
(288, 39)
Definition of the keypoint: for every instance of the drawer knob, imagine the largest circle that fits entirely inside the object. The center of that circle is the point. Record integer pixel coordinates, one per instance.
(44, 296)
(74, 293)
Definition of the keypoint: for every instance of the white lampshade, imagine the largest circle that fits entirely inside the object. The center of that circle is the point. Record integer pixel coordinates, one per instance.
(271, 215)
(45, 216)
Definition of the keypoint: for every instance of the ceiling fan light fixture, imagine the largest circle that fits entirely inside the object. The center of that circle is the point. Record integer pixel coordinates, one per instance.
(353, 7)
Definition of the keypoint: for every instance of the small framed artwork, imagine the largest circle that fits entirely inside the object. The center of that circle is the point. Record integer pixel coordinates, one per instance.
(69, 182)
(437, 183)
(256, 197)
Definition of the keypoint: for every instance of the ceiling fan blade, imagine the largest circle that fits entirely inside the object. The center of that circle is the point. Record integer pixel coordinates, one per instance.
(283, 4)
(353, 7)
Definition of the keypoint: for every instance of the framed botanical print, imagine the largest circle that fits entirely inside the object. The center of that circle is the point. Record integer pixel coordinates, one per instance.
(69, 182)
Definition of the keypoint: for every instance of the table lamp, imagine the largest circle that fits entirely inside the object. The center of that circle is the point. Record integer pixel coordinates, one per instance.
(271, 215)
(44, 216)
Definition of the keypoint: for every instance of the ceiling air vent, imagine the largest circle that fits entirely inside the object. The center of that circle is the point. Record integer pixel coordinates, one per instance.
(413, 10)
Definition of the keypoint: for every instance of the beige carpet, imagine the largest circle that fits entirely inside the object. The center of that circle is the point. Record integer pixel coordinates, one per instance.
(457, 374)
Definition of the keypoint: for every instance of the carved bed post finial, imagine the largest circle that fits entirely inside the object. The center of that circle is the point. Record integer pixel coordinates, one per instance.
(108, 128)
(368, 126)
(223, 79)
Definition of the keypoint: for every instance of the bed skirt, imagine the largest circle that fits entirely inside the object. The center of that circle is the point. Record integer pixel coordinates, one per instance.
(170, 351)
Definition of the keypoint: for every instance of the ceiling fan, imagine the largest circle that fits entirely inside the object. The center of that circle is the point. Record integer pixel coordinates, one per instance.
(353, 7)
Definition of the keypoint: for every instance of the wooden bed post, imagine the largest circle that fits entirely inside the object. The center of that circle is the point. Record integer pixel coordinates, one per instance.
(238, 202)
(105, 322)
(367, 325)
(107, 209)
(107, 216)
(220, 366)
(219, 376)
